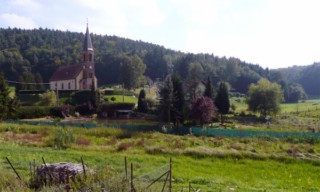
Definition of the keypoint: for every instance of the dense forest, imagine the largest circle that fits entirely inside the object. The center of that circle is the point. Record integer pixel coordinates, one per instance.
(307, 76)
(33, 56)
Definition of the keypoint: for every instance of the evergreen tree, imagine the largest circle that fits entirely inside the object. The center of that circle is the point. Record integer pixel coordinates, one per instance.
(222, 100)
(178, 99)
(166, 99)
(142, 104)
(8, 106)
(208, 92)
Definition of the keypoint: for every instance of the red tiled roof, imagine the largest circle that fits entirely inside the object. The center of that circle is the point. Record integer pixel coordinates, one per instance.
(66, 72)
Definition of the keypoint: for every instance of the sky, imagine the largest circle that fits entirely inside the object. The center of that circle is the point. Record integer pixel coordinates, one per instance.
(270, 33)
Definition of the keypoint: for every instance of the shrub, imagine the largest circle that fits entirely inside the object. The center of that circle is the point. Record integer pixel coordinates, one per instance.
(81, 97)
(82, 141)
(63, 138)
(48, 98)
(30, 112)
(62, 111)
(124, 146)
(85, 109)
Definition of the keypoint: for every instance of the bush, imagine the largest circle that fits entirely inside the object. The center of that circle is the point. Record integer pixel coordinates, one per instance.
(81, 97)
(83, 141)
(62, 111)
(48, 98)
(124, 146)
(63, 138)
(85, 109)
(30, 112)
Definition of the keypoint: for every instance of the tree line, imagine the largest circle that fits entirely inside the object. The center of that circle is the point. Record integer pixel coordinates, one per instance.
(33, 56)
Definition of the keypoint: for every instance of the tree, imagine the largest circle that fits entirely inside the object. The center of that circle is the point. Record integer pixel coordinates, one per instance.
(194, 81)
(203, 109)
(39, 81)
(296, 92)
(166, 99)
(178, 99)
(131, 71)
(265, 97)
(208, 92)
(232, 70)
(142, 104)
(48, 98)
(8, 105)
(222, 100)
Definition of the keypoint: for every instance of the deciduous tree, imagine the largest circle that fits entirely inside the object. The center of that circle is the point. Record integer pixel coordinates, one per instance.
(203, 109)
(131, 71)
(265, 97)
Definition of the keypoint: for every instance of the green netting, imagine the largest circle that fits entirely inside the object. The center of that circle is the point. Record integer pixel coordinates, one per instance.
(197, 131)
(249, 133)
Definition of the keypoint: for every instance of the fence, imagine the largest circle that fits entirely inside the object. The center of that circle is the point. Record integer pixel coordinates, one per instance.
(157, 179)
(197, 131)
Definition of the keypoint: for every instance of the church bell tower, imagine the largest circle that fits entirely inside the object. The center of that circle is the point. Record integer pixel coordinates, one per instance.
(89, 78)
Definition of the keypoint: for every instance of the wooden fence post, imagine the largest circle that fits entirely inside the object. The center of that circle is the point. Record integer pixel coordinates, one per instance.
(84, 169)
(14, 169)
(132, 184)
(125, 166)
(170, 180)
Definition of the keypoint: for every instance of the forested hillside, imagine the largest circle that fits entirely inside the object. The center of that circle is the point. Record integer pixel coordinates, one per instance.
(307, 76)
(33, 56)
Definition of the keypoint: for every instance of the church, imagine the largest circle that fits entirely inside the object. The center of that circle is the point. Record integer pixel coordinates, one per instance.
(77, 76)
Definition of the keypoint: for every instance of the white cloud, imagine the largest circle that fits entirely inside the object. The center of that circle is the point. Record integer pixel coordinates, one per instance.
(26, 4)
(13, 20)
(272, 33)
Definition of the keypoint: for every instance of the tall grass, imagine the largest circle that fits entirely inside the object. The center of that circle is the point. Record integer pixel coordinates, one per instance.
(210, 163)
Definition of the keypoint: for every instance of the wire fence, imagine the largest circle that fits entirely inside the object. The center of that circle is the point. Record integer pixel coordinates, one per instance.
(197, 131)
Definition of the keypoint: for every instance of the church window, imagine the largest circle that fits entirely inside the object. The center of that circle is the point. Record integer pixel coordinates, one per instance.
(90, 75)
(69, 85)
(90, 57)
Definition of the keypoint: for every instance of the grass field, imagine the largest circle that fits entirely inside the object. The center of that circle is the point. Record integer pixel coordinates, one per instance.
(120, 99)
(209, 163)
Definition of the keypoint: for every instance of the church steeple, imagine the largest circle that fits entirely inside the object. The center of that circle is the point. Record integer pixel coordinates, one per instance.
(87, 51)
(89, 78)
(87, 44)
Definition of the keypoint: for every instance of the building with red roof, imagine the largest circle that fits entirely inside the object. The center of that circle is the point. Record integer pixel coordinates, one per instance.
(77, 76)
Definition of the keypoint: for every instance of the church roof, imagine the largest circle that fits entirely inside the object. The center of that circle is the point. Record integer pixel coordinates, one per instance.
(87, 44)
(67, 72)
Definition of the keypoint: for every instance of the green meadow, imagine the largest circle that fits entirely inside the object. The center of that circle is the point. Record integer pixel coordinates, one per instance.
(207, 163)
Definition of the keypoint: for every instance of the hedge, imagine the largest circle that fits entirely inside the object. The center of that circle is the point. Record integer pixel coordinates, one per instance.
(30, 112)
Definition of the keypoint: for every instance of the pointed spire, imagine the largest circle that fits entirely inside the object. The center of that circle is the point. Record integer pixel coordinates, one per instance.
(87, 45)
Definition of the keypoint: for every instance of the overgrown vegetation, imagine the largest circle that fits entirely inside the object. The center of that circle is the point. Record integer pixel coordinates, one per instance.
(219, 163)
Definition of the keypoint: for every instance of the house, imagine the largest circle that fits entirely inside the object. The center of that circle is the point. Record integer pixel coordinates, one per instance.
(77, 76)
